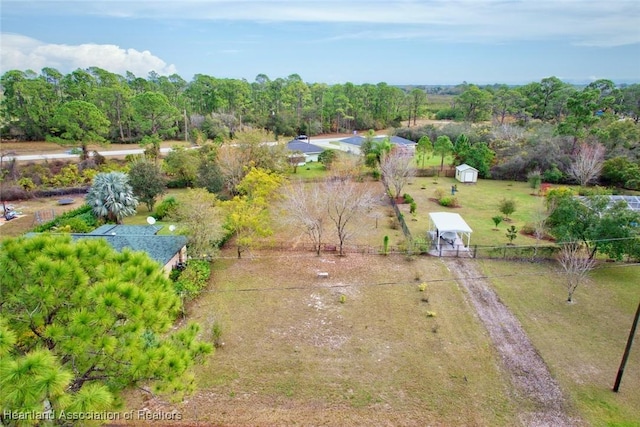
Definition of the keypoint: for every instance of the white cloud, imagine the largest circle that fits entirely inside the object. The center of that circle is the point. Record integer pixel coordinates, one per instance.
(21, 53)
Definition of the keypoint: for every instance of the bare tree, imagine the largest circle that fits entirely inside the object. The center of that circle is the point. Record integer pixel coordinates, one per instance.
(306, 207)
(396, 170)
(232, 166)
(539, 224)
(346, 200)
(587, 164)
(576, 263)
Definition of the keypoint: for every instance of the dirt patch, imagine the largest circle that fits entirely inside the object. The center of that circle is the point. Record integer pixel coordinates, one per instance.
(544, 401)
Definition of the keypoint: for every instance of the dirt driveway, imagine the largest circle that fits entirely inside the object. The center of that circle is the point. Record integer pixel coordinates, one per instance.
(544, 403)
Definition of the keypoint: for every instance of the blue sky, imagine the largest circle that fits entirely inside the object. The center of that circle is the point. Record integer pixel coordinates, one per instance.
(330, 41)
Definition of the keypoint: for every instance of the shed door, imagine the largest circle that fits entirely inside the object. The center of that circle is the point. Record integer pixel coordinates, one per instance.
(468, 176)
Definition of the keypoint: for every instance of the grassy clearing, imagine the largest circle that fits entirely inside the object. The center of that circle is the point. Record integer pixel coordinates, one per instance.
(294, 353)
(478, 204)
(310, 171)
(582, 343)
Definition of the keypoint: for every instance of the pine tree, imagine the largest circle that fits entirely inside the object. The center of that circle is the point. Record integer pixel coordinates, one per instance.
(79, 322)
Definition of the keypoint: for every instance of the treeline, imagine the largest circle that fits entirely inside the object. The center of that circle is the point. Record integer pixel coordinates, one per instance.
(130, 107)
(511, 131)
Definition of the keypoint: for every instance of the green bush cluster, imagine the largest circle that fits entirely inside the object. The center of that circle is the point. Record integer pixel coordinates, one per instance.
(193, 279)
(444, 199)
(595, 191)
(448, 201)
(165, 207)
(407, 198)
(83, 213)
(78, 224)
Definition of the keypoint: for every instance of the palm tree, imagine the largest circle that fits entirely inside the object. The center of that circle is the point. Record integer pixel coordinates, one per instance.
(111, 197)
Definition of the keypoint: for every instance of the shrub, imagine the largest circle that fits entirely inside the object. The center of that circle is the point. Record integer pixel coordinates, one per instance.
(595, 191)
(166, 207)
(448, 201)
(556, 194)
(534, 178)
(193, 279)
(439, 193)
(83, 212)
(27, 184)
(507, 207)
(216, 334)
(512, 233)
(422, 287)
(77, 224)
(497, 220)
(553, 174)
(412, 207)
(407, 198)
(178, 183)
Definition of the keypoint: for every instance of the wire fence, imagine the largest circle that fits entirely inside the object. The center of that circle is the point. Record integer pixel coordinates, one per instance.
(508, 252)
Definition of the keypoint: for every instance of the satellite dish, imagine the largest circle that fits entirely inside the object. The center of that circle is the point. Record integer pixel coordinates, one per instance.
(172, 228)
(151, 220)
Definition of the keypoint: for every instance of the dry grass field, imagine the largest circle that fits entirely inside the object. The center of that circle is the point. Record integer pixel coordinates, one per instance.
(362, 347)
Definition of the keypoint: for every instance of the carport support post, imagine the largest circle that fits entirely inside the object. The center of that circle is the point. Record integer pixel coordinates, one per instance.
(627, 350)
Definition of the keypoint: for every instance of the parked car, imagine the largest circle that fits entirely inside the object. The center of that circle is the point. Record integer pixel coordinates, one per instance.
(302, 138)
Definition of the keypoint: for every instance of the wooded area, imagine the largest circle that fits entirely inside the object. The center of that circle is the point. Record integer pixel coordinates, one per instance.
(510, 131)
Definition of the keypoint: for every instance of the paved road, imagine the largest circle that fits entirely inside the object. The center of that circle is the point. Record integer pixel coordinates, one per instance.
(32, 157)
(320, 142)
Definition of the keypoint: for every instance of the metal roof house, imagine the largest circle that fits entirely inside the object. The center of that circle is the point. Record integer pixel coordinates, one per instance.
(166, 250)
(309, 150)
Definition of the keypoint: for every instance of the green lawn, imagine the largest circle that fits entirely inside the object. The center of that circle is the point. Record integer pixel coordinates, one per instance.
(478, 203)
(310, 171)
(582, 343)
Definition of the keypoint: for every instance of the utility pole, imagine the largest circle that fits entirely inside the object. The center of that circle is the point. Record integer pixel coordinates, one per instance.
(627, 350)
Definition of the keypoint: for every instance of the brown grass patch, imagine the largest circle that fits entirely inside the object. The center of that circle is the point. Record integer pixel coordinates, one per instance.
(295, 354)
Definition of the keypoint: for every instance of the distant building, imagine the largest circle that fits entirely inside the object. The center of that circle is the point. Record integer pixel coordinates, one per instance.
(308, 150)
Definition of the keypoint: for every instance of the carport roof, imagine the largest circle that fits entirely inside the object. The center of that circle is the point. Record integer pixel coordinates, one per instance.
(446, 221)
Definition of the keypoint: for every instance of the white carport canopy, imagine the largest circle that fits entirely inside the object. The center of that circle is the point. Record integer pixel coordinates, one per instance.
(446, 224)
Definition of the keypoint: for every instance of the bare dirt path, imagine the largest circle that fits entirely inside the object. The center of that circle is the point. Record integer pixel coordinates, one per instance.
(543, 401)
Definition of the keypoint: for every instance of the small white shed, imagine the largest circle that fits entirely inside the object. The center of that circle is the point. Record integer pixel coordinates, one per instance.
(466, 173)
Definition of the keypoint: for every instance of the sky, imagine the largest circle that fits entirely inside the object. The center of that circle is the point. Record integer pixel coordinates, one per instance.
(408, 42)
